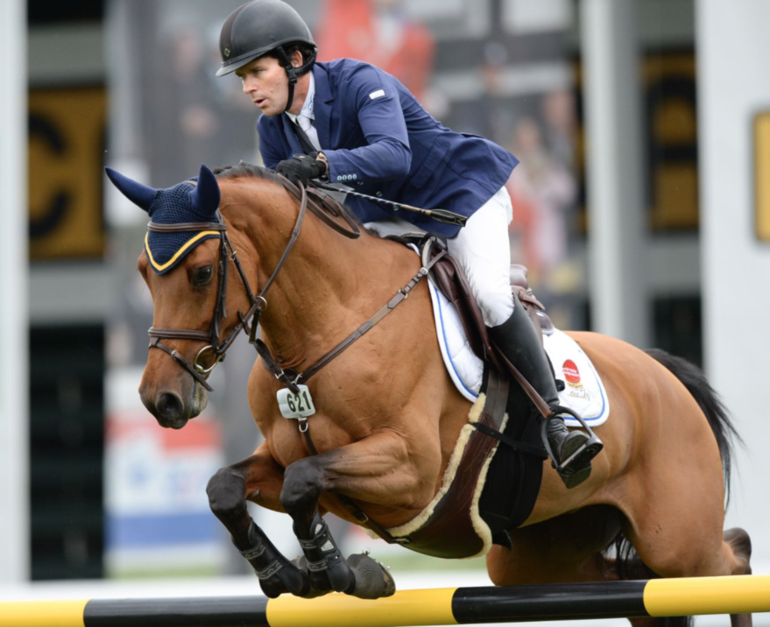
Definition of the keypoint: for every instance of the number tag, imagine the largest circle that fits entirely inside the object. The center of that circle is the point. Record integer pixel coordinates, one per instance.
(296, 405)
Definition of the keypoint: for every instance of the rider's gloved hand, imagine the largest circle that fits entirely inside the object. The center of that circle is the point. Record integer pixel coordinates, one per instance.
(303, 168)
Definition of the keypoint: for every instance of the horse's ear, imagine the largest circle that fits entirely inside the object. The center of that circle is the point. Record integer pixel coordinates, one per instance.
(205, 196)
(141, 195)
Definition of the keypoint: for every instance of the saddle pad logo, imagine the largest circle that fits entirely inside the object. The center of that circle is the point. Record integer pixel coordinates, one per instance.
(571, 372)
(572, 375)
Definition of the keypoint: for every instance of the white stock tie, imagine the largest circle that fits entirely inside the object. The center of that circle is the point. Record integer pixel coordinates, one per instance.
(306, 124)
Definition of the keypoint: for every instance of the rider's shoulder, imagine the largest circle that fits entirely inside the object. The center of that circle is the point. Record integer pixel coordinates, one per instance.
(352, 78)
(346, 69)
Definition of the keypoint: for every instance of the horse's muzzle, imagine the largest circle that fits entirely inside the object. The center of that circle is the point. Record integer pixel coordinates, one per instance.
(171, 411)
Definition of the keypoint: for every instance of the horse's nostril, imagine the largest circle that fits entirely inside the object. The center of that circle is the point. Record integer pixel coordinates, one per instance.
(170, 406)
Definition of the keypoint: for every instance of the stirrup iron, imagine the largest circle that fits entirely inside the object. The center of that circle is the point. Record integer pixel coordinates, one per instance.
(589, 449)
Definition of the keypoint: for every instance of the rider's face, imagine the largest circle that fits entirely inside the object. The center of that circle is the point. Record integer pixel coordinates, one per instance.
(265, 82)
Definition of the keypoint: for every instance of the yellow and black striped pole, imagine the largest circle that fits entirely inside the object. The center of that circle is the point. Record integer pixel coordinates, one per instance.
(444, 606)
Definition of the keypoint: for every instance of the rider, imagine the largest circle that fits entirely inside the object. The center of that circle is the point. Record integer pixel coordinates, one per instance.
(349, 122)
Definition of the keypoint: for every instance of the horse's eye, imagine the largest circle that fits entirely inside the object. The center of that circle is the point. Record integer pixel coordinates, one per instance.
(202, 276)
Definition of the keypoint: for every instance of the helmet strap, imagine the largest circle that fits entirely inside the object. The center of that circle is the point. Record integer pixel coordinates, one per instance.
(293, 72)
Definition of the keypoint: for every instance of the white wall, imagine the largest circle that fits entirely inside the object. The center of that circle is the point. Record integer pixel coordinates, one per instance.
(14, 505)
(733, 49)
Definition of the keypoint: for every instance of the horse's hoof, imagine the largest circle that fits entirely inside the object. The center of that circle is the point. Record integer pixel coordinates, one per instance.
(372, 579)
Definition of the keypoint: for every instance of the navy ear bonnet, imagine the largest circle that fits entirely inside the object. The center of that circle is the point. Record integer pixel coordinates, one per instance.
(190, 201)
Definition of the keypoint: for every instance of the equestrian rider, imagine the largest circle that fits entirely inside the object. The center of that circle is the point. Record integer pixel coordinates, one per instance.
(349, 122)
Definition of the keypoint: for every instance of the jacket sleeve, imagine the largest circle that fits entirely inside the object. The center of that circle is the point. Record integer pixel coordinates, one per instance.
(374, 99)
(269, 144)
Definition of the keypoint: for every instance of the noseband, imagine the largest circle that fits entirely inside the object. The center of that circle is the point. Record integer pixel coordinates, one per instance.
(257, 304)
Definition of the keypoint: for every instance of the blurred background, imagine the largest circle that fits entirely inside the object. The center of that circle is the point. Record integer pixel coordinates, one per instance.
(641, 208)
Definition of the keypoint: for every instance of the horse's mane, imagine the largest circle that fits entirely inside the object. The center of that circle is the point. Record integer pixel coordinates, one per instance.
(244, 169)
(317, 198)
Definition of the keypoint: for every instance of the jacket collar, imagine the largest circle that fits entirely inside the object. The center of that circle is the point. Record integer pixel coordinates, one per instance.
(322, 87)
(323, 110)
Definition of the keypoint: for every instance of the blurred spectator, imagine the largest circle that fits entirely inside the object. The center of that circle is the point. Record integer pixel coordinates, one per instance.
(560, 115)
(492, 113)
(194, 117)
(379, 32)
(543, 190)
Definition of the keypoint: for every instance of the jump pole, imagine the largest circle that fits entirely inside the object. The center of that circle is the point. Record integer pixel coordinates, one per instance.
(442, 606)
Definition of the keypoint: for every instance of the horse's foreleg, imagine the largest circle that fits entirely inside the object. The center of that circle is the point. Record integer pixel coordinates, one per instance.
(256, 478)
(374, 470)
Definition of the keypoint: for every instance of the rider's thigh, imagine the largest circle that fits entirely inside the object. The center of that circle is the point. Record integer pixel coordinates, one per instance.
(483, 249)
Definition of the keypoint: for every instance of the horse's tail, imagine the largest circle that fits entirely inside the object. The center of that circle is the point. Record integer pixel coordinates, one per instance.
(628, 565)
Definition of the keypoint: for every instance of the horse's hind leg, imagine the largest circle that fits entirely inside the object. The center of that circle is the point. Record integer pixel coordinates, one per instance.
(673, 545)
(255, 478)
(736, 549)
(737, 546)
(566, 549)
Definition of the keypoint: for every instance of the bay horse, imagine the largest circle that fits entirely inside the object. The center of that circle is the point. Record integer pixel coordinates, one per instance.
(387, 415)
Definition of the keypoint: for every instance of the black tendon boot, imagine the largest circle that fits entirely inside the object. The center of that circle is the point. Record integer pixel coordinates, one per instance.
(572, 451)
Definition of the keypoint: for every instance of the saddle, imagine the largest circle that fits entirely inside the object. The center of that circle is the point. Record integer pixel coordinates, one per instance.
(449, 277)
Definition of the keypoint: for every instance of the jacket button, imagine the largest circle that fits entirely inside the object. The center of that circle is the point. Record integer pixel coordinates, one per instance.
(379, 194)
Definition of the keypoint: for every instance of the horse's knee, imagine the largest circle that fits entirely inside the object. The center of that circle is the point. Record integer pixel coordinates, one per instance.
(302, 484)
(226, 491)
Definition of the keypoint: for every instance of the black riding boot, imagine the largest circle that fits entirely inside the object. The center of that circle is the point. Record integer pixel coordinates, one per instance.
(518, 340)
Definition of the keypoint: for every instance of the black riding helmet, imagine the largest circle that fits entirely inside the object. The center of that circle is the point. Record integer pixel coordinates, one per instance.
(263, 26)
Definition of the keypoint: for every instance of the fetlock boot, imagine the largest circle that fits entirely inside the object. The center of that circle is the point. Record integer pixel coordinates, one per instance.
(572, 451)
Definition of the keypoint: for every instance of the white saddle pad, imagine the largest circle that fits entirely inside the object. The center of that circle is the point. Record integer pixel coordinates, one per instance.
(583, 389)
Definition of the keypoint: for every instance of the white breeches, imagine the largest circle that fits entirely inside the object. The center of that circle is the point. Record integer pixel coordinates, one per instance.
(483, 249)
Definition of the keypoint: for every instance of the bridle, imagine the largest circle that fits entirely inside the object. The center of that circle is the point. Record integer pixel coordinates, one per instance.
(257, 304)
(226, 251)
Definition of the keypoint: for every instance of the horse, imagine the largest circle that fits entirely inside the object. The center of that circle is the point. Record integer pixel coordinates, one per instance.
(387, 416)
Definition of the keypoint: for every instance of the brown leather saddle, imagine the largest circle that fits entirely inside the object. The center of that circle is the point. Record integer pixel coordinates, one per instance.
(450, 279)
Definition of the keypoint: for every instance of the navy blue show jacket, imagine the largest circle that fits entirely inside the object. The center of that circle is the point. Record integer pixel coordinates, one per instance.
(380, 141)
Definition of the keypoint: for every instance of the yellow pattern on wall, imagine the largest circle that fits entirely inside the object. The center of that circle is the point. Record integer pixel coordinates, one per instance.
(66, 147)
(762, 175)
